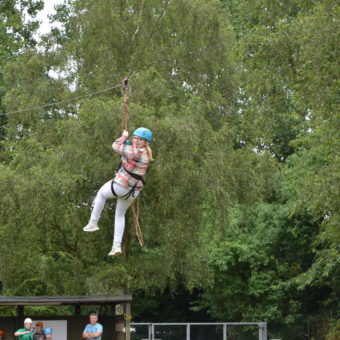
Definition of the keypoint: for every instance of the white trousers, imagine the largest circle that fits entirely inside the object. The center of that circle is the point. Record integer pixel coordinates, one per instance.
(122, 206)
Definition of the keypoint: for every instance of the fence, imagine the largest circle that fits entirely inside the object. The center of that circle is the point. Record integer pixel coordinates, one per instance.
(197, 331)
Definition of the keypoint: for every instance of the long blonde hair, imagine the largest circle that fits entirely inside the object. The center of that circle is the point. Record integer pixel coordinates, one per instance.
(149, 151)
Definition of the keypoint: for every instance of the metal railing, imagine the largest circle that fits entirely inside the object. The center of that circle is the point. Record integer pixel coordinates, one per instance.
(186, 333)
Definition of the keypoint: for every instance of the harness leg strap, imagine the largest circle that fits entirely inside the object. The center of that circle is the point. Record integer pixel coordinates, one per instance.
(128, 195)
(112, 189)
(131, 193)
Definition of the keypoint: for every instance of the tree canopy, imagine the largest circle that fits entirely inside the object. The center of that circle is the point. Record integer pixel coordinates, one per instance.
(241, 210)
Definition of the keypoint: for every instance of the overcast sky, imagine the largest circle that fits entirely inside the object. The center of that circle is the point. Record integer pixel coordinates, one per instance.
(45, 26)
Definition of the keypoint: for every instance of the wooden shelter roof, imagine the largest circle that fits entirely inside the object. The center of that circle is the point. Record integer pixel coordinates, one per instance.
(63, 300)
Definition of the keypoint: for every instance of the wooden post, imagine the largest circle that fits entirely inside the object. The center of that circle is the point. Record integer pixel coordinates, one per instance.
(119, 323)
(127, 320)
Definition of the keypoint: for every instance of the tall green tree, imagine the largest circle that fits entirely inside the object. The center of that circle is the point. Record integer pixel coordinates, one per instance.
(240, 212)
(17, 28)
(66, 152)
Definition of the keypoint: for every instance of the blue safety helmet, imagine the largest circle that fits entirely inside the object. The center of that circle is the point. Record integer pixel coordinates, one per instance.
(48, 331)
(143, 133)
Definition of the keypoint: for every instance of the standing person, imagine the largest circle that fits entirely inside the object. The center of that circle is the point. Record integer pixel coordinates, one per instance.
(93, 330)
(126, 185)
(25, 333)
(38, 331)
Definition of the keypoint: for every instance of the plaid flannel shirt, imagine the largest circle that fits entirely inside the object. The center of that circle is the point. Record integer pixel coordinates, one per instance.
(134, 160)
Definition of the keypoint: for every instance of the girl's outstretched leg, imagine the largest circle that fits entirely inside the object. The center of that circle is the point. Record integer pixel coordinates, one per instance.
(121, 208)
(103, 194)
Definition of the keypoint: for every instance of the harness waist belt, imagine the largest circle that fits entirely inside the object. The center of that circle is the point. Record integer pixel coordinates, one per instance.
(135, 176)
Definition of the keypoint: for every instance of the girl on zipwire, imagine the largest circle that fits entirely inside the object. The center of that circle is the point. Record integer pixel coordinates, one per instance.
(126, 185)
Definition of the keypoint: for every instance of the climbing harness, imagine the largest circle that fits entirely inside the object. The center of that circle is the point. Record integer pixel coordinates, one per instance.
(131, 193)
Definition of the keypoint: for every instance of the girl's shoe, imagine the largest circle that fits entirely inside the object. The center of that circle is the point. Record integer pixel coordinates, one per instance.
(115, 251)
(91, 227)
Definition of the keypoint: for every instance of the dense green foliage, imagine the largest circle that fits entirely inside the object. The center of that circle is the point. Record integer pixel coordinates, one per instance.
(241, 210)
(15, 36)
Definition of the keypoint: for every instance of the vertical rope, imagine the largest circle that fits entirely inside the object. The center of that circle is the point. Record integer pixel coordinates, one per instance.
(135, 210)
(125, 126)
(125, 87)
